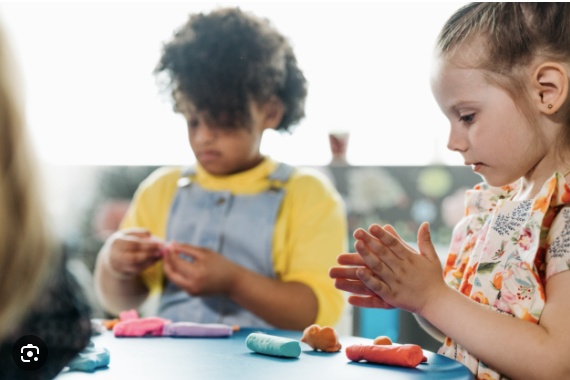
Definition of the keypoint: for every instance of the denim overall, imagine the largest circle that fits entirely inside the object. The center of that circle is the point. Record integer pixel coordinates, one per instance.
(240, 227)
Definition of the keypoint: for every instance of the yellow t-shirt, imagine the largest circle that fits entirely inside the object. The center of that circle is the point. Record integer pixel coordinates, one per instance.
(310, 230)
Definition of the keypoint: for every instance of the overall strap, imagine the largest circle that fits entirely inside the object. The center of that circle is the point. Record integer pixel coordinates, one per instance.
(186, 176)
(189, 171)
(277, 178)
(280, 176)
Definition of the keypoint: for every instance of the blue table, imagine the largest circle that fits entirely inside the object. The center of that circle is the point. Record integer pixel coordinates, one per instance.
(229, 358)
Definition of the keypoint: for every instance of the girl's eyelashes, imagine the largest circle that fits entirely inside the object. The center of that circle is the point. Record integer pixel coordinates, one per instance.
(467, 118)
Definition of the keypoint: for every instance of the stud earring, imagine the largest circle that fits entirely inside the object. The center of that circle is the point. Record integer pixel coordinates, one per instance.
(549, 106)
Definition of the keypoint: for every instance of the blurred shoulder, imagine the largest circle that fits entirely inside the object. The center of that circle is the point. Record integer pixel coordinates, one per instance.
(312, 180)
(163, 176)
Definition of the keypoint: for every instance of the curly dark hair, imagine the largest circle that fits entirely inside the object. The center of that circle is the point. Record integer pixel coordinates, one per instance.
(222, 60)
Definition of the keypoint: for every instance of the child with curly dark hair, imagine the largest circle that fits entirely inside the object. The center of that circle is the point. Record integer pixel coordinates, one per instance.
(237, 238)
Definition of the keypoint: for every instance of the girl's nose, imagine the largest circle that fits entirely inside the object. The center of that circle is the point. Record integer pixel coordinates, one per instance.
(203, 132)
(457, 141)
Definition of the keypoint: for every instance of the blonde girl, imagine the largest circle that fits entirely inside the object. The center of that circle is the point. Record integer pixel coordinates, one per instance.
(38, 297)
(25, 249)
(502, 302)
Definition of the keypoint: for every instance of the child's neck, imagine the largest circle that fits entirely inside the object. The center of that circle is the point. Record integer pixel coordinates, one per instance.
(526, 191)
(530, 187)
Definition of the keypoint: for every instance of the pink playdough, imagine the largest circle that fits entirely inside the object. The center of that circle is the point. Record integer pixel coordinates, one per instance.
(128, 315)
(150, 326)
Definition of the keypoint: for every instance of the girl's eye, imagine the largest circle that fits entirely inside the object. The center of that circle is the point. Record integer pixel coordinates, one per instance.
(193, 123)
(467, 118)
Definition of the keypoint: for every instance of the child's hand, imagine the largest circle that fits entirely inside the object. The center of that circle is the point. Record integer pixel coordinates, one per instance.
(209, 273)
(347, 280)
(131, 251)
(397, 273)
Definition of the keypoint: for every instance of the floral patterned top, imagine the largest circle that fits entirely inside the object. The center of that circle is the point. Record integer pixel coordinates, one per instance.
(503, 252)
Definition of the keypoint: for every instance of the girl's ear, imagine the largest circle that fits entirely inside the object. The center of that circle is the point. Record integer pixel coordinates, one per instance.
(273, 111)
(550, 82)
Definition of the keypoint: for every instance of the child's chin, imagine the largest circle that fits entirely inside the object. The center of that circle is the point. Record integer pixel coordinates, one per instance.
(495, 182)
(215, 168)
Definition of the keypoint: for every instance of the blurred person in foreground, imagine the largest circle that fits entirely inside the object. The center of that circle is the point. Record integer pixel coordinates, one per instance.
(38, 297)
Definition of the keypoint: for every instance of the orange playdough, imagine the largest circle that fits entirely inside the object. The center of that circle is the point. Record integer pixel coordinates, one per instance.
(321, 338)
(382, 340)
(110, 323)
(406, 355)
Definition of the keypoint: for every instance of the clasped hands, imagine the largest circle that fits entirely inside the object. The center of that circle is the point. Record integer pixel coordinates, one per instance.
(387, 273)
(208, 273)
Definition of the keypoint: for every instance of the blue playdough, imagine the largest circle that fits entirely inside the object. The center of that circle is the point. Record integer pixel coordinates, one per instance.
(273, 345)
(90, 359)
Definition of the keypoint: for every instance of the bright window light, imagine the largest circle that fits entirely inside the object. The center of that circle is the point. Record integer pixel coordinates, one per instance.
(91, 98)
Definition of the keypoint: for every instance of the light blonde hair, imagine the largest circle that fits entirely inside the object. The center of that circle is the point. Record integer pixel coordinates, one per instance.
(25, 243)
(510, 36)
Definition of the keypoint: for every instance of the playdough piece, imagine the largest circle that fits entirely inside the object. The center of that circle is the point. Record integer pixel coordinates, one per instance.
(149, 326)
(273, 345)
(324, 339)
(163, 251)
(191, 329)
(110, 323)
(382, 340)
(128, 315)
(90, 359)
(406, 355)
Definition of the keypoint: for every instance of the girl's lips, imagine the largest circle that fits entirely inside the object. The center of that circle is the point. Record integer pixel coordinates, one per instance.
(208, 155)
(476, 166)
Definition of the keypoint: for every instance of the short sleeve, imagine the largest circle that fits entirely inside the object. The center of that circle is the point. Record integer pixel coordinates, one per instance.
(310, 233)
(558, 241)
(151, 202)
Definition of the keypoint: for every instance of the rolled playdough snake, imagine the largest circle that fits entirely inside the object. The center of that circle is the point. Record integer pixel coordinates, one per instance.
(190, 329)
(149, 326)
(406, 355)
(273, 345)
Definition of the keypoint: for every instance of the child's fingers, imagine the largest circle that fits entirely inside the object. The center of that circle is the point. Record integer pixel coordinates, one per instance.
(359, 233)
(150, 245)
(176, 269)
(142, 260)
(374, 244)
(350, 259)
(351, 286)
(175, 277)
(369, 302)
(189, 250)
(425, 244)
(374, 259)
(393, 232)
(343, 272)
(178, 264)
(137, 232)
(376, 281)
(389, 241)
(167, 263)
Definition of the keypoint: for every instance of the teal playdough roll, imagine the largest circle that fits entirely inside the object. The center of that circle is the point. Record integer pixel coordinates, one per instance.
(273, 345)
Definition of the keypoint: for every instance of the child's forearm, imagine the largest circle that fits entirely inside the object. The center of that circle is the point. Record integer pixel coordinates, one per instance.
(507, 344)
(286, 305)
(429, 328)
